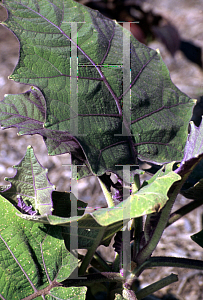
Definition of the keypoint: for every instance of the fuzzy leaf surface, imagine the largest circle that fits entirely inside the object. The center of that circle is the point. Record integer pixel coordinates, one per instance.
(85, 95)
(88, 229)
(191, 165)
(33, 258)
(194, 144)
(147, 200)
(31, 184)
(27, 112)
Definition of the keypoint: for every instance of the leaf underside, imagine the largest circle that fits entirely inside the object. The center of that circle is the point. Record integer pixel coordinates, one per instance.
(115, 103)
(192, 163)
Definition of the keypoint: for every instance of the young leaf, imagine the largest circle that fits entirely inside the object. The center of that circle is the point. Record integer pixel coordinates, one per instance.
(153, 127)
(193, 155)
(103, 223)
(146, 201)
(88, 229)
(194, 145)
(31, 184)
(23, 207)
(33, 259)
(163, 171)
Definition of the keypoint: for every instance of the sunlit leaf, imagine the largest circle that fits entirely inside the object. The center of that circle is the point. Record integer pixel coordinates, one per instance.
(33, 258)
(148, 199)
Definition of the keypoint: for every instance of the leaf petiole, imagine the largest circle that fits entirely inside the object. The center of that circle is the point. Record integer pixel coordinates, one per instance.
(107, 194)
(90, 253)
(156, 286)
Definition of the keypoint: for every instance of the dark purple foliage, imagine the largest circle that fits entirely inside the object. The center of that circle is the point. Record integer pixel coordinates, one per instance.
(23, 208)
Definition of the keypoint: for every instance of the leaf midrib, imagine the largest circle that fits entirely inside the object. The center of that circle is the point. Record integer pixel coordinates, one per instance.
(126, 124)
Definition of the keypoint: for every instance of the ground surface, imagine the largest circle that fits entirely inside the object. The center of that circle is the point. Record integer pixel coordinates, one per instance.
(187, 16)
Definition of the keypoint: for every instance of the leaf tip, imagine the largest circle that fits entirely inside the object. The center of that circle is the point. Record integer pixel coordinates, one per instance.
(29, 147)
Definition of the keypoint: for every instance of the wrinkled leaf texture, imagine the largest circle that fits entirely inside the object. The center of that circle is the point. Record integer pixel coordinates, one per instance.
(33, 257)
(152, 128)
(192, 161)
(32, 184)
(145, 201)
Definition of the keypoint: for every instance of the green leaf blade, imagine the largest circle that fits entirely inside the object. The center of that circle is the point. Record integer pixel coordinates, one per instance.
(159, 111)
(147, 200)
(72, 293)
(32, 184)
(32, 257)
(26, 111)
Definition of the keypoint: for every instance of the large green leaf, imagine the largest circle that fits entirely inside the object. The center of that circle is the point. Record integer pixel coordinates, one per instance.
(32, 185)
(27, 112)
(33, 259)
(154, 124)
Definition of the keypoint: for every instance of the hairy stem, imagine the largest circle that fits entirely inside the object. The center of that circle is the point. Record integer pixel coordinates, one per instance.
(138, 228)
(156, 286)
(107, 194)
(136, 183)
(183, 211)
(147, 250)
(116, 263)
(44, 291)
(161, 261)
(90, 253)
(137, 223)
(147, 228)
(102, 262)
